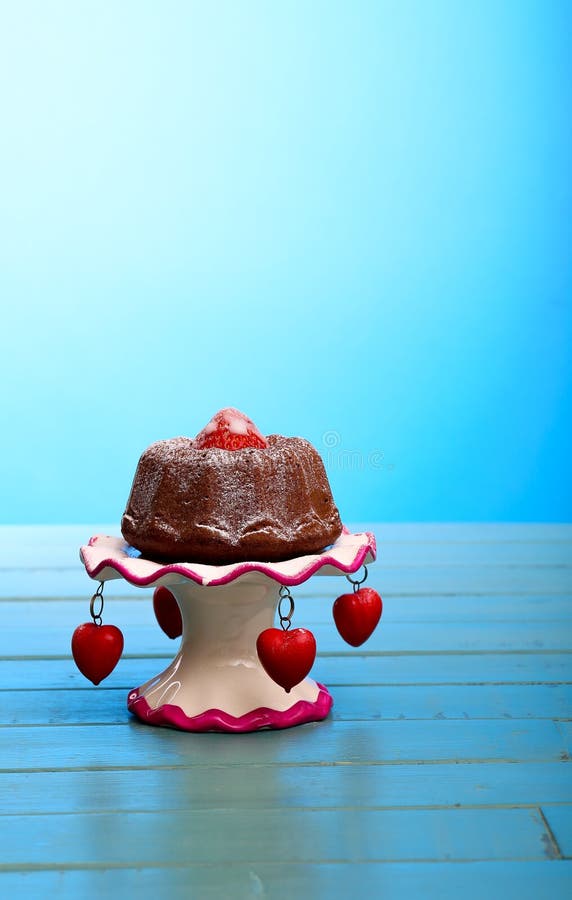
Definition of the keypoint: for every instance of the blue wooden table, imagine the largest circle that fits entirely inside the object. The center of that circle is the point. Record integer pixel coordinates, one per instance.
(444, 768)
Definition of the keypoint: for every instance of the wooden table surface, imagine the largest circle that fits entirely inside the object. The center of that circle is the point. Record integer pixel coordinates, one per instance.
(444, 768)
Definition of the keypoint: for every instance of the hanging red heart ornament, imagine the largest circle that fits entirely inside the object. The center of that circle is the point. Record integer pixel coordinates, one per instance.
(286, 656)
(96, 649)
(356, 615)
(167, 612)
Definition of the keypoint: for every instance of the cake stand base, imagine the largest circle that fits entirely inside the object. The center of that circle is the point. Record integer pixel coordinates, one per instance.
(216, 681)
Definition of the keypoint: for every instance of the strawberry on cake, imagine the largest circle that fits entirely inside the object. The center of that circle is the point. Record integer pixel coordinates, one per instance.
(230, 495)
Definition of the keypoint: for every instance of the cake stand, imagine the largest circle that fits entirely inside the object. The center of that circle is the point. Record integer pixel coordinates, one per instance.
(216, 681)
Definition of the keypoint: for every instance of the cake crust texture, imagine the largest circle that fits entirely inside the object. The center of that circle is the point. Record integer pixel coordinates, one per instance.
(224, 506)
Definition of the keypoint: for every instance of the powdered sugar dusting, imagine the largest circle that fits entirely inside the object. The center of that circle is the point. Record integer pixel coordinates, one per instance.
(238, 424)
(222, 506)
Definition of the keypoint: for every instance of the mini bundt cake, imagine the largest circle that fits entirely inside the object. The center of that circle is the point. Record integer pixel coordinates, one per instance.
(230, 495)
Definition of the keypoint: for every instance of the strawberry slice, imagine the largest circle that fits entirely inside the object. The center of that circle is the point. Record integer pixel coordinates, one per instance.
(230, 429)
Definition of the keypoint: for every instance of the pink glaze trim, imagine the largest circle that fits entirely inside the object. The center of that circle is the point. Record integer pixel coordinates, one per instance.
(120, 562)
(171, 716)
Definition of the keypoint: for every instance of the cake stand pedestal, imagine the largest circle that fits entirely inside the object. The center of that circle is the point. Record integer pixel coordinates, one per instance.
(216, 681)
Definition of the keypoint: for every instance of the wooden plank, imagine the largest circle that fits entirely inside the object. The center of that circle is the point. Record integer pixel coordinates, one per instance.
(439, 608)
(64, 582)
(559, 820)
(287, 786)
(37, 548)
(141, 746)
(58, 545)
(312, 835)
(350, 669)
(24, 546)
(463, 532)
(43, 640)
(365, 703)
(345, 767)
(508, 553)
(565, 729)
(528, 880)
(453, 702)
(316, 609)
(399, 581)
(534, 608)
(490, 609)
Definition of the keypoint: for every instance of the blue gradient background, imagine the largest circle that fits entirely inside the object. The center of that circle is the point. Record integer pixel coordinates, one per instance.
(350, 220)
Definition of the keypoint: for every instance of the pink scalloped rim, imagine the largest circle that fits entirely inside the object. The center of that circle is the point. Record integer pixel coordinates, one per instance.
(108, 557)
(170, 716)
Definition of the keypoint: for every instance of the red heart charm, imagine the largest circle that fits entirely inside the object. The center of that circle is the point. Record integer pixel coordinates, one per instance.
(96, 649)
(167, 612)
(356, 615)
(287, 656)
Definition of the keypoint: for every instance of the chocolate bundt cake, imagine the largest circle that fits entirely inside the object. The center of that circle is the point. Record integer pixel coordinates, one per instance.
(230, 495)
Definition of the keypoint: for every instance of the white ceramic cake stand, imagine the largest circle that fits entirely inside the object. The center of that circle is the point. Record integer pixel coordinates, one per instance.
(216, 681)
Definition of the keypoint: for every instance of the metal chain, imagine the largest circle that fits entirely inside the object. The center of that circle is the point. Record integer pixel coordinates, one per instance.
(285, 620)
(98, 596)
(356, 582)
